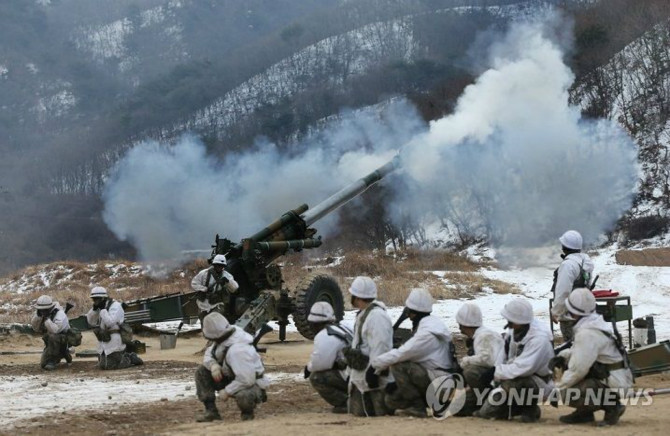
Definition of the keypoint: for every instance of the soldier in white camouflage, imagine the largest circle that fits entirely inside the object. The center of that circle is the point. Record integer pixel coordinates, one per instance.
(485, 350)
(51, 320)
(232, 367)
(107, 317)
(326, 369)
(213, 285)
(423, 358)
(373, 336)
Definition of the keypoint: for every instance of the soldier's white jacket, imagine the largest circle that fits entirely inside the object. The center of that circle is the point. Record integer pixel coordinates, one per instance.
(59, 324)
(376, 339)
(327, 350)
(108, 319)
(239, 360)
(429, 347)
(489, 347)
(200, 284)
(528, 357)
(590, 345)
(568, 272)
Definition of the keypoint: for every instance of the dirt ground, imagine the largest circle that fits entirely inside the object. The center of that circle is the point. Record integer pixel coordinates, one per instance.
(647, 257)
(292, 407)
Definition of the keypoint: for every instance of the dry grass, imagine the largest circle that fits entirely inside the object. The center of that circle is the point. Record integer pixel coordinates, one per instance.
(397, 275)
(71, 282)
(125, 281)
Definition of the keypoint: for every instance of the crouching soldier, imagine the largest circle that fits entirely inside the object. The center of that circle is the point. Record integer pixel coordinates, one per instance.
(485, 351)
(596, 366)
(106, 317)
(51, 320)
(231, 365)
(326, 369)
(373, 336)
(424, 357)
(524, 376)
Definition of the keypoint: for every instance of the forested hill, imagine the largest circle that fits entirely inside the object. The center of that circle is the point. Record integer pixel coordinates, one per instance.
(82, 81)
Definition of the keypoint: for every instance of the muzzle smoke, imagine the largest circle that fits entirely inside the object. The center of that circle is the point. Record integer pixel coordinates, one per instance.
(514, 162)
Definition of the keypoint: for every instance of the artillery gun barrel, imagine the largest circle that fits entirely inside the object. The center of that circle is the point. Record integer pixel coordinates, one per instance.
(349, 192)
(296, 244)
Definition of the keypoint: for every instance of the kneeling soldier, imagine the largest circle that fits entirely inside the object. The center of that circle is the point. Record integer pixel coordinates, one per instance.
(51, 320)
(326, 369)
(106, 317)
(596, 367)
(485, 351)
(524, 374)
(231, 365)
(424, 357)
(373, 335)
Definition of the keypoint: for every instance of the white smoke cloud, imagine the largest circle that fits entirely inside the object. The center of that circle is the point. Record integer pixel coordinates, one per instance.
(165, 199)
(514, 161)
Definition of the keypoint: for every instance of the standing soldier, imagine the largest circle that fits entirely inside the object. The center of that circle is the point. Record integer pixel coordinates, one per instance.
(596, 364)
(51, 320)
(210, 283)
(420, 360)
(524, 374)
(574, 272)
(326, 369)
(231, 365)
(373, 336)
(106, 317)
(485, 351)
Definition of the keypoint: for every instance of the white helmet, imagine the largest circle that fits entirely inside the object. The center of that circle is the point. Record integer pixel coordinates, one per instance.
(215, 325)
(419, 300)
(219, 259)
(581, 302)
(518, 311)
(572, 240)
(469, 315)
(363, 287)
(99, 291)
(321, 311)
(45, 302)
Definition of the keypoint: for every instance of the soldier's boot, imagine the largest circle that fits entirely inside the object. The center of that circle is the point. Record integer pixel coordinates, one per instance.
(50, 366)
(247, 415)
(340, 409)
(612, 414)
(211, 412)
(68, 356)
(531, 414)
(135, 359)
(579, 416)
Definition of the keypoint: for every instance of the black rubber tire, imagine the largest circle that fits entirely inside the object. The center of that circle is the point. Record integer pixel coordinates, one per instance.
(313, 288)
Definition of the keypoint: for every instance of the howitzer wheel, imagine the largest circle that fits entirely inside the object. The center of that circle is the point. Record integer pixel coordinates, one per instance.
(313, 288)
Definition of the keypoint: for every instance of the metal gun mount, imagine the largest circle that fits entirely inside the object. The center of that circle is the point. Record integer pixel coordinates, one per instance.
(261, 296)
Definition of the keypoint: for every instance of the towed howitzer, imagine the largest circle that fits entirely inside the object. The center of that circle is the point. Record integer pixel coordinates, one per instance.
(261, 296)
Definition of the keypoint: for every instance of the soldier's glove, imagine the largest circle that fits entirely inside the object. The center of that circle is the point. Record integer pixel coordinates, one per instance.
(217, 373)
(340, 364)
(391, 388)
(371, 378)
(307, 372)
(558, 362)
